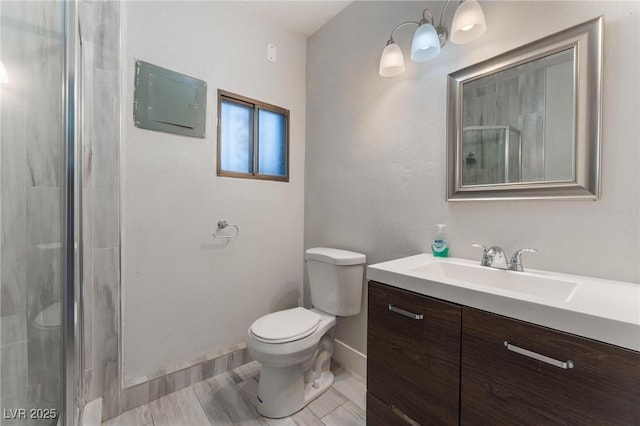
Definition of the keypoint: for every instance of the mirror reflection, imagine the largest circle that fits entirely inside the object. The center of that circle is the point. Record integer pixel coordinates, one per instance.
(518, 124)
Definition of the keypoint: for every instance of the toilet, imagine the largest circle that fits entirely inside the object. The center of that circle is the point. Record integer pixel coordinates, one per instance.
(294, 346)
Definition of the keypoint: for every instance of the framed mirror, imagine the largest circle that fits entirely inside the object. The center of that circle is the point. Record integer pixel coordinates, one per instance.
(526, 124)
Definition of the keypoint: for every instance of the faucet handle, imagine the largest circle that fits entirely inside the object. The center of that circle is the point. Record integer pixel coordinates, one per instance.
(516, 260)
(486, 260)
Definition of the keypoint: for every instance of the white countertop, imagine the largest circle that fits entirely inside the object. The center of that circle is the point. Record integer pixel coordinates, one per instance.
(608, 311)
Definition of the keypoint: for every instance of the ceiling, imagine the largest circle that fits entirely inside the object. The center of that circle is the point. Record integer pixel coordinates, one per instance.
(299, 16)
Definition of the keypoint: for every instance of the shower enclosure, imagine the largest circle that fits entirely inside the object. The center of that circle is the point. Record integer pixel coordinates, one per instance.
(491, 155)
(40, 300)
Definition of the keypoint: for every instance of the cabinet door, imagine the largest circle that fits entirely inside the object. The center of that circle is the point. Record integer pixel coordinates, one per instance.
(381, 414)
(503, 387)
(413, 365)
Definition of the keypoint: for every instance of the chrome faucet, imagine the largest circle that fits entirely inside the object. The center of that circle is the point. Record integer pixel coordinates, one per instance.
(498, 258)
(494, 257)
(516, 260)
(486, 261)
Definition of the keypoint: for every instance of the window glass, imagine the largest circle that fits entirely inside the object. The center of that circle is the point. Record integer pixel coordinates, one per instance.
(236, 130)
(272, 143)
(253, 138)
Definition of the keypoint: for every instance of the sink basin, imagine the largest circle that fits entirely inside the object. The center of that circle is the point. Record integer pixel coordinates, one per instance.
(600, 309)
(532, 284)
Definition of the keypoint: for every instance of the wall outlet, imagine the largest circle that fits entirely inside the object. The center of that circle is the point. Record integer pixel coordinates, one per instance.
(271, 52)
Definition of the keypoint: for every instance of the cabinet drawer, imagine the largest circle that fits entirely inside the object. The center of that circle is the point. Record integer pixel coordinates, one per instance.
(414, 364)
(503, 387)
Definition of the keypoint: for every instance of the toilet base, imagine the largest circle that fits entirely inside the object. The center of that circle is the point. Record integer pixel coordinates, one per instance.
(293, 394)
(317, 387)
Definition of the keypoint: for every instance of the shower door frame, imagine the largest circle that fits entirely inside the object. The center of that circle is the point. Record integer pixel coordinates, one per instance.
(71, 386)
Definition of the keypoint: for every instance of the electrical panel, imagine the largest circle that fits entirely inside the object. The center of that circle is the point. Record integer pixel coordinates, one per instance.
(168, 101)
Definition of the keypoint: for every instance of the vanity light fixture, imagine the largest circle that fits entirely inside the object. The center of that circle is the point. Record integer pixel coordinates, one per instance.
(468, 24)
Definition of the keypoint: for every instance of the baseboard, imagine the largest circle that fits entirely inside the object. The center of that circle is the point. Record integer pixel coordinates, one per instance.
(202, 361)
(350, 359)
(162, 385)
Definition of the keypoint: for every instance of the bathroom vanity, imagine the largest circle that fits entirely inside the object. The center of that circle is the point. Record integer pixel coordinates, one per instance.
(445, 348)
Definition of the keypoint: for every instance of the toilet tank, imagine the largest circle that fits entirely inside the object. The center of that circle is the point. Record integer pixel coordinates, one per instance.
(335, 280)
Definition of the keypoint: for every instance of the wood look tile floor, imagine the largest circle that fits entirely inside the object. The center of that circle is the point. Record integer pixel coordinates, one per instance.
(230, 399)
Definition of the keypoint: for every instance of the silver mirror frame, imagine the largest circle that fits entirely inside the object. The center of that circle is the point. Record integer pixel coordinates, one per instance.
(586, 39)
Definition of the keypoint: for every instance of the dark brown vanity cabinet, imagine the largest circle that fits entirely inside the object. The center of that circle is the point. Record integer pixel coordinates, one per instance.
(578, 381)
(459, 365)
(413, 361)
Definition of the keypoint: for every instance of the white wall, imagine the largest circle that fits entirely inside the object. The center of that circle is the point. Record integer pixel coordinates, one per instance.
(185, 293)
(375, 164)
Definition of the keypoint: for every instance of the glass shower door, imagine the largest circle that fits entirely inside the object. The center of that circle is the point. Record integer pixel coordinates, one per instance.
(33, 178)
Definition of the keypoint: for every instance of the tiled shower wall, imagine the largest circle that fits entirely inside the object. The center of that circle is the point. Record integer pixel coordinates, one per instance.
(100, 27)
(523, 113)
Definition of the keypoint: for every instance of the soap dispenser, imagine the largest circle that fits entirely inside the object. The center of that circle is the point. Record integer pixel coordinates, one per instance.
(439, 247)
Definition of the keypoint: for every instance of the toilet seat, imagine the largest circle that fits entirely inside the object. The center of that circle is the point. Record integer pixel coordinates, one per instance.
(285, 326)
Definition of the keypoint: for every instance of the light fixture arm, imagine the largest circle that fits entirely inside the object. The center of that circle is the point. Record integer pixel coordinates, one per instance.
(442, 12)
(424, 17)
(442, 31)
(391, 40)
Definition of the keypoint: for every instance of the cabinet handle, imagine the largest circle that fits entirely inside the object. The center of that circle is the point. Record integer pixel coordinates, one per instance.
(405, 313)
(539, 357)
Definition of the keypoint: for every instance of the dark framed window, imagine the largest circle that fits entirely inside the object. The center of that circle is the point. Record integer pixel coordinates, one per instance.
(253, 138)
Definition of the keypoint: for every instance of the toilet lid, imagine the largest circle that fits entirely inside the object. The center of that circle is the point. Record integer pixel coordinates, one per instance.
(286, 326)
